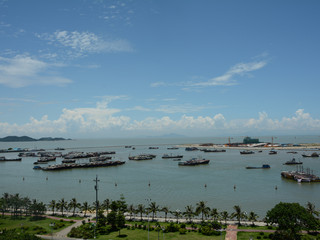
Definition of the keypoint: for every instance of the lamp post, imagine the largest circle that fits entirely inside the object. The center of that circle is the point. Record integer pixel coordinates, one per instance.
(96, 188)
(148, 201)
(51, 225)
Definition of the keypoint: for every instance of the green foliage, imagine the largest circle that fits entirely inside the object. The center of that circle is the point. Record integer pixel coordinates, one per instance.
(172, 227)
(14, 235)
(39, 230)
(182, 231)
(208, 231)
(84, 231)
(291, 218)
(216, 225)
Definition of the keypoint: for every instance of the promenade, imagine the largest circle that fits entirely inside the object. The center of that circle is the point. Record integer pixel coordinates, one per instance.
(231, 230)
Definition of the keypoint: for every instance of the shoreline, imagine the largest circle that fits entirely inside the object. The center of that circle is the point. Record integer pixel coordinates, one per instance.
(302, 147)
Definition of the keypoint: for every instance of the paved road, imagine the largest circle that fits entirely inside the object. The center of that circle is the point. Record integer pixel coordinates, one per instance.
(62, 235)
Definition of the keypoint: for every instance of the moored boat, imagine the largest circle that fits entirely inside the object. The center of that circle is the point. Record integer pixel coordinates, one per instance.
(292, 162)
(4, 159)
(311, 155)
(264, 166)
(142, 157)
(247, 152)
(194, 162)
(171, 156)
(213, 150)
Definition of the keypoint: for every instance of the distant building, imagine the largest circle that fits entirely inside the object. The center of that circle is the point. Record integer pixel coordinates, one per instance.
(249, 140)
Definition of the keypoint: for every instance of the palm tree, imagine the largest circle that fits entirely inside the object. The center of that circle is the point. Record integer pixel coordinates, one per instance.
(62, 205)
(166, 210)
(177, 214)
(238, 214)
(140, 209)
(131, 210)
(106, 204)
(214, 214)
(74, 205)
(252, 217)
(312, 209)
(154, 208)
(26, 202)
(85, 207)
(189, 213)
(202, 208)
(225, 216)
(53, 206)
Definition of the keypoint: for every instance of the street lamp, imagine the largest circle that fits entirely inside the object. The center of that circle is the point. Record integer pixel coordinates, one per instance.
(148, 201)
(51, 225)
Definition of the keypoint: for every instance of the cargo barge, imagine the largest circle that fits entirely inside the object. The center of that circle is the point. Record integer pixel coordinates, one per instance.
(300, 176)
(64, 166)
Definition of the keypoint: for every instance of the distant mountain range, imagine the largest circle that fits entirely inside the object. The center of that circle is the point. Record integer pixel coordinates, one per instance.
(29, 139)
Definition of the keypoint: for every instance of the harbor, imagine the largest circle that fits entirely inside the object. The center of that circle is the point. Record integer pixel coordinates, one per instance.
(226, 178)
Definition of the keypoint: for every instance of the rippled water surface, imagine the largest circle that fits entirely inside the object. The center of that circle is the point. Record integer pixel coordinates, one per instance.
(162, 180)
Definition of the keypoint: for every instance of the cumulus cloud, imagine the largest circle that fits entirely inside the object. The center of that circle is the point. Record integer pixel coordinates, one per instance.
(101, 120)
(82, 43)
(22, 70)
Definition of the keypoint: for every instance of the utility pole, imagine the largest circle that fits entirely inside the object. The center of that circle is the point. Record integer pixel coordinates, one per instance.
(96, 188)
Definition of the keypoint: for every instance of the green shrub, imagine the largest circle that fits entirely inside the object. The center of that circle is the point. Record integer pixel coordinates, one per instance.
(182, 225)
(182, 231)
(172, 227)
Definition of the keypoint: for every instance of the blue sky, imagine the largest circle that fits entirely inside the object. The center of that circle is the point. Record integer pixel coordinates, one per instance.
(82, 68)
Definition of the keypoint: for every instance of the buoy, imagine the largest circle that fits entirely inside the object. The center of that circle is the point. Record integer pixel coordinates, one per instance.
(47, 178)
(234, 187)
(23, 179)
(149, 184)
(79, 180)
(205, 185)
(276, 188)
(115, 184)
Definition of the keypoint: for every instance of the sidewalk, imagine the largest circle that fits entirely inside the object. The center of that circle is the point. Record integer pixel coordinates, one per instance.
(231, 232)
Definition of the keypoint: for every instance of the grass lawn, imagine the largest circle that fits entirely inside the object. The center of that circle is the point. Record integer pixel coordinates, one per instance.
(27, 224)
(143, 234)
(256, 227)
(252, 235)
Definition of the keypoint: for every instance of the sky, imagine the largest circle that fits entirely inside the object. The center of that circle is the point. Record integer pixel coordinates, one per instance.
(111, 68)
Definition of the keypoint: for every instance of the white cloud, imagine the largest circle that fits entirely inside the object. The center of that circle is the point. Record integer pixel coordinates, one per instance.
(22, 70)
(227, 79)
(82, 43)
(101, 120)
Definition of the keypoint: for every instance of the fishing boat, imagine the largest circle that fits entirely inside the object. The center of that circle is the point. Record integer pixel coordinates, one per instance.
(213, 150)
(247, 152)
(272, 152)
(68, 161)
(311, 155)
(172, 148)
(194, 162)
(292, 162)
(264, 166)
(142, 157)
(4, 159)
(171, 156)
(191, 149)
(300, 176)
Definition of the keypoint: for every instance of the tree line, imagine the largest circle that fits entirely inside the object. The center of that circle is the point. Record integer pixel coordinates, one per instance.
(286, 216)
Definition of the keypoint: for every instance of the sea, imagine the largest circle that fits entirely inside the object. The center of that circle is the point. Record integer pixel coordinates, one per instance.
(222, 184)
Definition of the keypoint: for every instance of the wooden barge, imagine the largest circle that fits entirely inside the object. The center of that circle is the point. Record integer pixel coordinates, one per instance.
(64, 166)
(300, 176)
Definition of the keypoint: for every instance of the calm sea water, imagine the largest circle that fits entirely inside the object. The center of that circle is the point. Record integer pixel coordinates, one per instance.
(170, 185)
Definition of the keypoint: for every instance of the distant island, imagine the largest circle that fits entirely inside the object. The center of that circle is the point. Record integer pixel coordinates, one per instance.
(29, 139)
